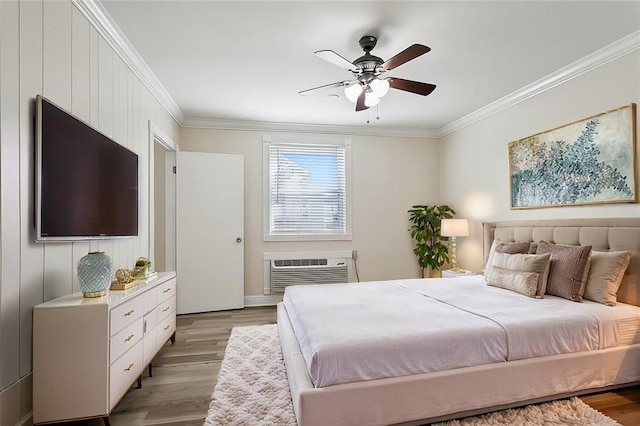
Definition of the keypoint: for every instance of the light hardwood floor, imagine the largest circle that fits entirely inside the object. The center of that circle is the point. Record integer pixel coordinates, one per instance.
(184, 375)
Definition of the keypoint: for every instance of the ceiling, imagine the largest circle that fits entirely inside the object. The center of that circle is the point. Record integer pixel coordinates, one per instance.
(246, 61)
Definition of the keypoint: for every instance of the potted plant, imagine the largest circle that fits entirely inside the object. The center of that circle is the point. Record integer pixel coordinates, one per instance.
(431, 248)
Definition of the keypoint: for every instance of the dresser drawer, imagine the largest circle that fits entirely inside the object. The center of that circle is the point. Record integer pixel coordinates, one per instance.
(166, 290)
(125, 340)
(166, 308)
(150, 321)
(150, 345)
(165, 330)
(150, 300)
(126, 314)
(124, 372)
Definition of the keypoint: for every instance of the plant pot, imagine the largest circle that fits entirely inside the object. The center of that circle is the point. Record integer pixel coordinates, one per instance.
(431, 273)
(95, 270)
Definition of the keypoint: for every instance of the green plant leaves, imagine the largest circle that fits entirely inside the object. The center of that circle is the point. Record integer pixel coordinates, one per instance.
(426, 221)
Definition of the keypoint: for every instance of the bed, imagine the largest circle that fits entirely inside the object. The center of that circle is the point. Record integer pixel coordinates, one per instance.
(426, 381)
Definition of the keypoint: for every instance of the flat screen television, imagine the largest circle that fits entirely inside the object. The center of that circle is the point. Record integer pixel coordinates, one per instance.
(86, 184)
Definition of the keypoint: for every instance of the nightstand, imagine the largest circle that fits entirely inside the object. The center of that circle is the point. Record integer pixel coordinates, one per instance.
(450, 273)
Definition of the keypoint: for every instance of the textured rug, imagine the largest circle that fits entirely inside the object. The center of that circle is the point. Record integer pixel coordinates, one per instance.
(252, 389)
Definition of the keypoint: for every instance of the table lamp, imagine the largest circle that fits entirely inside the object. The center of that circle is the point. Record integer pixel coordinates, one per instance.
(453, 228)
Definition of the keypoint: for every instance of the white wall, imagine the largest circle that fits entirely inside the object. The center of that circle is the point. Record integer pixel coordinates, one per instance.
(475, 175)
(389, 175)
(49, 48)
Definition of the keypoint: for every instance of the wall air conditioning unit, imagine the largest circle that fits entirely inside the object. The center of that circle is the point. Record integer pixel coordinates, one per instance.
(285, 272)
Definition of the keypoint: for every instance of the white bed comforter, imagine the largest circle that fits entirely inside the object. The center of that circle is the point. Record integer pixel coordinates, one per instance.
(356, 332)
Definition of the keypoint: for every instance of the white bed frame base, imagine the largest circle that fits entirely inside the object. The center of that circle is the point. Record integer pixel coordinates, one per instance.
(438, 396)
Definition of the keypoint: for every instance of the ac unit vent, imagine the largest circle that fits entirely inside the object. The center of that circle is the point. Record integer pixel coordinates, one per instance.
(300, 262)
(287, 272)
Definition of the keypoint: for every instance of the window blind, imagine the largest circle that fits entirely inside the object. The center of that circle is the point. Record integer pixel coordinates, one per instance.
(307, 189)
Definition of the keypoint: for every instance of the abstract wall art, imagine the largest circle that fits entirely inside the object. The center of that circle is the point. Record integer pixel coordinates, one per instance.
(590, 161)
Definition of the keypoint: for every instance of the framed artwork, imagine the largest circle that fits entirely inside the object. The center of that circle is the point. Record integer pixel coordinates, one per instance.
(591, 161)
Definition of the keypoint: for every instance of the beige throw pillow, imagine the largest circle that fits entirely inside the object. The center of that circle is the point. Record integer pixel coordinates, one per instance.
(506, 247)
(525, 283)
(568, 269)
(527, 263)
(605, 275)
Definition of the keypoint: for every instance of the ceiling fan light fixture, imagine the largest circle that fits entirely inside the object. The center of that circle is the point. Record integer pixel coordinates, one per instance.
(352, 91)
(370, 99)
(379, 86)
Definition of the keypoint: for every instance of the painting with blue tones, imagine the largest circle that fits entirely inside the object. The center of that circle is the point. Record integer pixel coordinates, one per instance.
(590, 161)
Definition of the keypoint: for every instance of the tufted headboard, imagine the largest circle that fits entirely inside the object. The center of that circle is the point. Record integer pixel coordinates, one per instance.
(610, 234)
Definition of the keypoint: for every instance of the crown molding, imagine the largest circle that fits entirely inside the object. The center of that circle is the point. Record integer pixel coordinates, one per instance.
(211, 123)
(611, 52)
(109, 30)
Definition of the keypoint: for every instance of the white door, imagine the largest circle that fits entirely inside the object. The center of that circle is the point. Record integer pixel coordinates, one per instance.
(209, 234)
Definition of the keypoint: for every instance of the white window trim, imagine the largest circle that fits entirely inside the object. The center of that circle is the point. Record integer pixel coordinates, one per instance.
(298, 139)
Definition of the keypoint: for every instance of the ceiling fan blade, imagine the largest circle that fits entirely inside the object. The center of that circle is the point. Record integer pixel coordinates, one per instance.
(360, 106)
(335, 59)
(326, 86)
(406, 55)
(411, 86)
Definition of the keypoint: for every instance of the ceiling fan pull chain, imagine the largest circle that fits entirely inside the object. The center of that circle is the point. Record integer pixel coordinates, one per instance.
(378, 112)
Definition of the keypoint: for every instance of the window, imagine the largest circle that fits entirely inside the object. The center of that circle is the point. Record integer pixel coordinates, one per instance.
(306, 191)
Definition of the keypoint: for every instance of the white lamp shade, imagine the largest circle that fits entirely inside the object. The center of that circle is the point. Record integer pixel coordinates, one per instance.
(370, 99)
(352, 91)
(454, 228)
(379, 86)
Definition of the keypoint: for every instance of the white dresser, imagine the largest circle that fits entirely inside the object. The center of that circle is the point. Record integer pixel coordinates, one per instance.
(87, 352)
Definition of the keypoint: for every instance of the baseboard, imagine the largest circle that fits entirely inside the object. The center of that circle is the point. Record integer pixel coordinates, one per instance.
(26, 420)
(266, 300)
(16, 402)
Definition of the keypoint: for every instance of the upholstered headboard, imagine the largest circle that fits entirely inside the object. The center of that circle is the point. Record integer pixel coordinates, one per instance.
(602, 234)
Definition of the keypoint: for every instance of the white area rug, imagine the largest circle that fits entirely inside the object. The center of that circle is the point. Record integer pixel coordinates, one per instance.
(252, 389)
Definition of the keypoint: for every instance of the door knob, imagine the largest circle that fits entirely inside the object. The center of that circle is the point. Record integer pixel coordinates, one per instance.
(238, 240)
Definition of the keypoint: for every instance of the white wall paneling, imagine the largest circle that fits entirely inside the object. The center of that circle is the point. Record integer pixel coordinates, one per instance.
(31, 254)
(80, 103)
(57, 77)
(50, 48)
(10, 192)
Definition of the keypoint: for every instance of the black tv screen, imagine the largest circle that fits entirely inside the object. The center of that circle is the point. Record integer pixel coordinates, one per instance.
(86, 183)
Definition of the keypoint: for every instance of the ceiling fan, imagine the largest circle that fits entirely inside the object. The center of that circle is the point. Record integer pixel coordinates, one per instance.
(369, 86)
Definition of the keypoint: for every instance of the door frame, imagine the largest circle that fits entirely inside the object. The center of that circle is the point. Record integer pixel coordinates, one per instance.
(158, 136)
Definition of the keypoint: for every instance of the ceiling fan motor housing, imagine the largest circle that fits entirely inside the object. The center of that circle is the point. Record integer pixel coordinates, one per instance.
(367, 43)
(367, 63)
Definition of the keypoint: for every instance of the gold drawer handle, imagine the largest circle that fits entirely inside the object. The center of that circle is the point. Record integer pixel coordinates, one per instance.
(167, 327)
(126, 314)
(166, 309)
(167, 290)
(129, 338)
(130, 367)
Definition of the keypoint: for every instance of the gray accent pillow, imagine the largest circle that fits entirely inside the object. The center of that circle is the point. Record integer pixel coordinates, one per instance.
(605, 275)
(538, 264)
(525, 283)
(568, 269)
